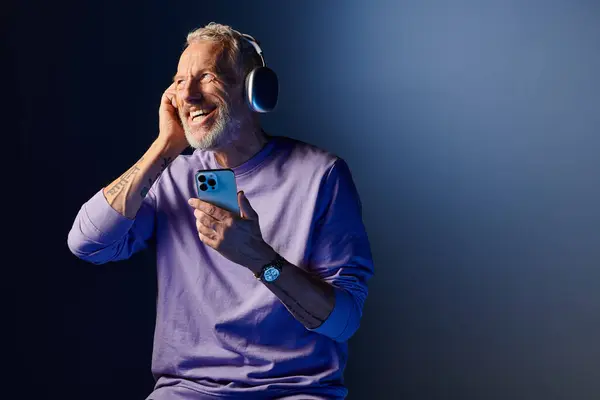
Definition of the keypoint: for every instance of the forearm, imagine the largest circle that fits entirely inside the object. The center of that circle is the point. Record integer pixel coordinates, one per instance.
(126, 193)
(306, 296)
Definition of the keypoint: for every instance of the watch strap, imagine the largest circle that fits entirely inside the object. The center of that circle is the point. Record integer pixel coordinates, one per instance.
(277, 262)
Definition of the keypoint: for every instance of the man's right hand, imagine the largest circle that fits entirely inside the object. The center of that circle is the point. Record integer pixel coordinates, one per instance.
(170, 128)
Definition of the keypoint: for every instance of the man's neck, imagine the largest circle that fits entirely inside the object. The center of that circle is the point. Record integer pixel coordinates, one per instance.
(250, 142)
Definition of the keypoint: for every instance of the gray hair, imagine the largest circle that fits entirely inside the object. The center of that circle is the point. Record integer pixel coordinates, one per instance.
(241, 54)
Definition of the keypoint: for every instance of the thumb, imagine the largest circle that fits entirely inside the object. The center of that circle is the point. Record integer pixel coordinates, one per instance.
(245, 207)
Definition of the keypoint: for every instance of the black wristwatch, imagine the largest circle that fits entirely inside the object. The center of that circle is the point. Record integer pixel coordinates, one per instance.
(271, 271)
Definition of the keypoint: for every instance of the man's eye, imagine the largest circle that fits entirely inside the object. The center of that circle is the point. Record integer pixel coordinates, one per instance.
(179, 82)
(207, 77)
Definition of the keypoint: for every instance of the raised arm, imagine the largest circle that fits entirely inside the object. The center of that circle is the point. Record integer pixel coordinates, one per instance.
(119, 219)
(126, 193)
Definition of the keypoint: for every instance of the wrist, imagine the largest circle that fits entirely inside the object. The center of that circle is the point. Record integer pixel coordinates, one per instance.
(265, 257)
(271, 270)
(167, 148)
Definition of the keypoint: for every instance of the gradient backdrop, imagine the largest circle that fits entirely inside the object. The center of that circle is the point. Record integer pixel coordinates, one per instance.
(472, 129)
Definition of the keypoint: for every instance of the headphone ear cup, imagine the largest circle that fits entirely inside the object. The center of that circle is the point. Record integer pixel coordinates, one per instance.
(262, 89)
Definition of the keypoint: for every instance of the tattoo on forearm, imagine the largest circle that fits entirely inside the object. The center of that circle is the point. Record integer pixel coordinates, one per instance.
(146, 189)
(165, 164)
(123, 181)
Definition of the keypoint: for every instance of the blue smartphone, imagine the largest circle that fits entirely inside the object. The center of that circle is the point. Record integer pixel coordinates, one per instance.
(218, 187)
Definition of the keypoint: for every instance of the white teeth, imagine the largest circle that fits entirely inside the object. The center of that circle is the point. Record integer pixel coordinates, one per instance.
(194, 114)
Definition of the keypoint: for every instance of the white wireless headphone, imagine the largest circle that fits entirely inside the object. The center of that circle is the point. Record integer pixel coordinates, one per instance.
(262, 85)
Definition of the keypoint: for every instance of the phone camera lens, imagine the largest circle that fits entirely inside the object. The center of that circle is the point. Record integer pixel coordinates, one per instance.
(202, 178)
(212, 182)
(203, 187)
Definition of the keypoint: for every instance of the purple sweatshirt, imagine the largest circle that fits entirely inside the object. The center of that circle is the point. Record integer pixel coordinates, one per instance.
(220, 332)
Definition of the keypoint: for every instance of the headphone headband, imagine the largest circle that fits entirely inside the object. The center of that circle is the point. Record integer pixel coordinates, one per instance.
(254, 44)
(262, 86)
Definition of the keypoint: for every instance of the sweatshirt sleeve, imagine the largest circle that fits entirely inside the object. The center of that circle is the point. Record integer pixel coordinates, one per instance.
(100, 234)
(341, 253)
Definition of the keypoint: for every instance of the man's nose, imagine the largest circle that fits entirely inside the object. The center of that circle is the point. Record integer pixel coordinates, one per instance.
(191, 93)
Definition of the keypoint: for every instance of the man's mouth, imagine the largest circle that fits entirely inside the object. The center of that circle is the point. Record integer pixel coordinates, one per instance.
(198, 116)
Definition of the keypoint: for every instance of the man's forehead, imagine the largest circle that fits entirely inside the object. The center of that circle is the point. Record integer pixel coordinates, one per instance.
(203, 55)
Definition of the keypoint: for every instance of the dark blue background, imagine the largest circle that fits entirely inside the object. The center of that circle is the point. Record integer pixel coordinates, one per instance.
(472, 131)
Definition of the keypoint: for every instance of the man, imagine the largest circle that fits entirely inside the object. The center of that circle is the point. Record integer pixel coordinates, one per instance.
(221, 332)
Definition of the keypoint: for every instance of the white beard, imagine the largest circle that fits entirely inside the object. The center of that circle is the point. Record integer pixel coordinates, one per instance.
(224, 130)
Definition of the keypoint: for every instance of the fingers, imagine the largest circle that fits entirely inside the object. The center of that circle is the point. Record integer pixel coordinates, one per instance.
(206, 220)
(245, 207)
(169, 99)
(208, 240)
(207, 228)
(170, 96)
(206, 231)
(210, 209)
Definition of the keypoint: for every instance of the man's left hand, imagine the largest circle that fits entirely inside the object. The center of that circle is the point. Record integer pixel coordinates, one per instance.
(237, 238)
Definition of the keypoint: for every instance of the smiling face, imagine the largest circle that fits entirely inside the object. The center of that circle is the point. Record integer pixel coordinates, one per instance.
(209, 96)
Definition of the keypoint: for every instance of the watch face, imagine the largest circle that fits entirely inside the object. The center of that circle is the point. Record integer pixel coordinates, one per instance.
(271, 274)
